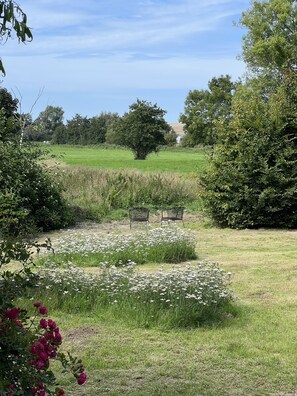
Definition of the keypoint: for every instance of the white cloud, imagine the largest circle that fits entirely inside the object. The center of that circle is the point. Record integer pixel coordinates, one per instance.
(99, 26)
(104, 49)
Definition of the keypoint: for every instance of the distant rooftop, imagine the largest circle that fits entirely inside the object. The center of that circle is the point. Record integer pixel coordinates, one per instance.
(178, 128)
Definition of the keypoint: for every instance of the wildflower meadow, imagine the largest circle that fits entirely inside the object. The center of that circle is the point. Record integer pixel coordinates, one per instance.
(185, 296)
(168, 243)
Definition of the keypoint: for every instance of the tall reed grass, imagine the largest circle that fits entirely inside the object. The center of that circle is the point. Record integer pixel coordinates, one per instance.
(99, 192)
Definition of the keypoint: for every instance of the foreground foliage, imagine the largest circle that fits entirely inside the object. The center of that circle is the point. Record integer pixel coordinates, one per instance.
(13, 20)
(30, 198)
(27, 345)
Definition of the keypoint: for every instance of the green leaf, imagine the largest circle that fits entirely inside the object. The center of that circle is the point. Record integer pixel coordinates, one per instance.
(2, 70)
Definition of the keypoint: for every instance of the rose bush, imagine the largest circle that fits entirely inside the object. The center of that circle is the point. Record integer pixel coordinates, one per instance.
(28, 342)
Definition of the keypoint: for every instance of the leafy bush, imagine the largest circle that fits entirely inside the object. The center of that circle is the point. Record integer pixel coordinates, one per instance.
(185, 296)
(164, 244)
(252, 175)
(29, 196)
(12, 215)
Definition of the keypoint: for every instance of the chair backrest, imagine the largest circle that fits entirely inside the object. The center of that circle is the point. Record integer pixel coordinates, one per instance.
(173, 213)
(139, 214)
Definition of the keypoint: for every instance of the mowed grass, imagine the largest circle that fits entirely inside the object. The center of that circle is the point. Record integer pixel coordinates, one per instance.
(178, 161)
(253, 353)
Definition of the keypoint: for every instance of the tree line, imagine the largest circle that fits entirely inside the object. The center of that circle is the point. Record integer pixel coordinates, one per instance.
(49, 126)
(143, 129)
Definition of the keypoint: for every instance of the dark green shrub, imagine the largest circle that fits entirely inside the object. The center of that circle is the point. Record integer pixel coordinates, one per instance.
(12, 215)
(252, 176)
(29, 196)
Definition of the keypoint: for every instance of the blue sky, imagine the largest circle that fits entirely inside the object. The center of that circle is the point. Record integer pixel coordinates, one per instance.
(92, 56)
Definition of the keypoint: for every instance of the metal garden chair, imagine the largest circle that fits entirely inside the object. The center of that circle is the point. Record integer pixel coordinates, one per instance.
(173, 214)
(139, 215)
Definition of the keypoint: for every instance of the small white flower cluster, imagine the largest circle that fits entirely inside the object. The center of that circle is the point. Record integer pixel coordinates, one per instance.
(198, 285)
(202, 283)
(116, 248)
(65, 278)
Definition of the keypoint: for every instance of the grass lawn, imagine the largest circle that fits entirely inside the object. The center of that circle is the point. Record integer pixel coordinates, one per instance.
(254, 353)
(120, 159)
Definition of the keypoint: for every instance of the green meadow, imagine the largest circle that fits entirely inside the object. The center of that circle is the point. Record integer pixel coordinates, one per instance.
(181, 161)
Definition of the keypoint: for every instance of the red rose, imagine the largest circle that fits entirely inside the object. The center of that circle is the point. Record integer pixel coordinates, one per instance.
(58, 338)
(34, 348)
(82, 378)
(52, 324)
(43, 323)
(43, 355)
(39, 364)
(43, 310)
(12, 313)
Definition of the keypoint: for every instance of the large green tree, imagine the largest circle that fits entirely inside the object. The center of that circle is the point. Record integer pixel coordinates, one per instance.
(204, 108)
(99, 126)
(142, 129)
(77, 130)
(252, 177)
(270, 45)
(43, 128)
(9, 117)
